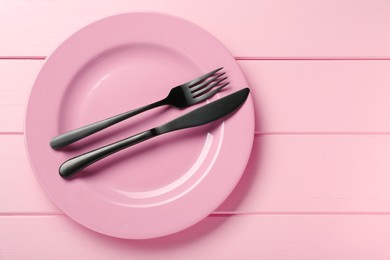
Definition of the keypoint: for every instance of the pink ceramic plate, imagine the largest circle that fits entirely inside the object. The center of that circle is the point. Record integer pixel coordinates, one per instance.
(157, 187)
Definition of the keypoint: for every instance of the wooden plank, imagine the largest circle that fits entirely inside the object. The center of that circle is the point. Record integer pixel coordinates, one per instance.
(289, 96)
(262, 29)
(320, 96)
(272, 237)
(19, 190)
(315, 173)
(286, 174)
(16, 79)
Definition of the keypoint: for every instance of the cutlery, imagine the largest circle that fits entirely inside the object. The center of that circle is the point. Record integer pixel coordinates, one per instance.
(200, 116)
(182, 96)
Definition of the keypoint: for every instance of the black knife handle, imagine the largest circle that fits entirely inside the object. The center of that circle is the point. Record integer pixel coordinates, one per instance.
(75, 164)
(82, 132)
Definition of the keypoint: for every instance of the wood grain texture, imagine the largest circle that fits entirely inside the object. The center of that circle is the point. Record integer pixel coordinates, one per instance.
(263, 29)
(289, 96)
(331, 174)
(317, 185)
(269, 237)
(320, 96)
(16, 79)
(19, 190)
(297, 174)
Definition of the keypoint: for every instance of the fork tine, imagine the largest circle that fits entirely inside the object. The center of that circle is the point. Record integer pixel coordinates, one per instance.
(206, 89)
(206, 82)
(201, 78)
(211, 93)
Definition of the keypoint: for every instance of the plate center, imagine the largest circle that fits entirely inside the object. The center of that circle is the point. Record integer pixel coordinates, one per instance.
(119, 80)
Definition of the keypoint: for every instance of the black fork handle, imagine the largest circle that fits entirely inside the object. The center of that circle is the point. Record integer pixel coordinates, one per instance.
(82, 132)
(75, 164)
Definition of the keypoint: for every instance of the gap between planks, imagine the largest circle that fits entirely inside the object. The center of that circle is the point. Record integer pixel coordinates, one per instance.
(311, 58)
(11, 133)
(22, 57)
(240, 58)
(220, 214)
(322, 133)
(276, 133)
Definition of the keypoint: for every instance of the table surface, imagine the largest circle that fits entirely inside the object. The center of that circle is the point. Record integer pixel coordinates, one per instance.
(317, 185)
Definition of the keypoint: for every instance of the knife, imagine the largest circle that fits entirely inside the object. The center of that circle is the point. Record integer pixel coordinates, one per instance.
(200, 116)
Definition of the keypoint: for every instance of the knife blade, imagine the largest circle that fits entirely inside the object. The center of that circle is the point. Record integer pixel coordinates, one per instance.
(200, 116)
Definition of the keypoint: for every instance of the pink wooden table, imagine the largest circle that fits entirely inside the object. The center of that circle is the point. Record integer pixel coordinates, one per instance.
(318, 182)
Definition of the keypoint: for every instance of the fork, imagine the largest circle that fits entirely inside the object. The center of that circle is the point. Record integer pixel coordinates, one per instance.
(185, 95)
